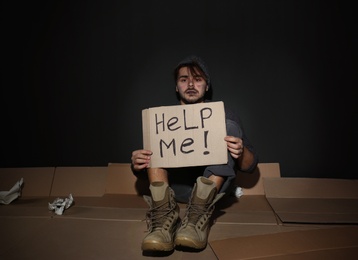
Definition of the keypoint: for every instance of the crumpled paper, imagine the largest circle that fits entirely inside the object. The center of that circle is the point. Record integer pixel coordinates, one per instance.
(60, 204)
(6, 197)
(237, 192)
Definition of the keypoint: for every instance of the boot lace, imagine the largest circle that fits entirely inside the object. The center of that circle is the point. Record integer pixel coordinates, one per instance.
(197, 210)
(157, 216)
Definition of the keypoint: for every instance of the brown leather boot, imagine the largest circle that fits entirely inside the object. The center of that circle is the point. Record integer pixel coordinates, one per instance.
(162, 218)
(194, 229)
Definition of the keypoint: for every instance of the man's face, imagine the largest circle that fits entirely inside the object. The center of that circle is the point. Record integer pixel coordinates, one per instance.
(191, 89)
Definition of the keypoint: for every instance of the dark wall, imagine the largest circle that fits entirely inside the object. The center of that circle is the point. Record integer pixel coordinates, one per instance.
(76, 75)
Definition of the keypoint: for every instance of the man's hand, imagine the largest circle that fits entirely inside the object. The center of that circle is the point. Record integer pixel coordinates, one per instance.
(141, 159)
(235, 146)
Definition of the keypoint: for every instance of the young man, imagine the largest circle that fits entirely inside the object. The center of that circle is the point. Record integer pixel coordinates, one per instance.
(201, 187)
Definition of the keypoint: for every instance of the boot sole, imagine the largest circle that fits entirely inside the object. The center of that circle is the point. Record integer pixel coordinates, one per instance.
(156, 246)
(185, 242)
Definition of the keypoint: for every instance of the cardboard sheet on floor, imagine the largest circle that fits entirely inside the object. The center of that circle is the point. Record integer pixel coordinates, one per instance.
(313, 200)
(327, 243)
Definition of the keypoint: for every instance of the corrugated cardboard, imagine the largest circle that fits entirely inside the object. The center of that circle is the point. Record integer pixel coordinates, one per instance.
(107, 219)
(312, 200)
(326, 243)
(79, 181)
(37, 180)
(121, 180)
(189, 135)
(252, 183)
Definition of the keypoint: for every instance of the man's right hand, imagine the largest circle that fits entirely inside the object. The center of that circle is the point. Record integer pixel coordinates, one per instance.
(141, 159)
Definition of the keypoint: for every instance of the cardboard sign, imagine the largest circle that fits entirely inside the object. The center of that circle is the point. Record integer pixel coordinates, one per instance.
(185, 135)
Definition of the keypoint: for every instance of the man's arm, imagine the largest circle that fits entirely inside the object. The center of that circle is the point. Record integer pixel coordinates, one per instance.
(245, 155)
